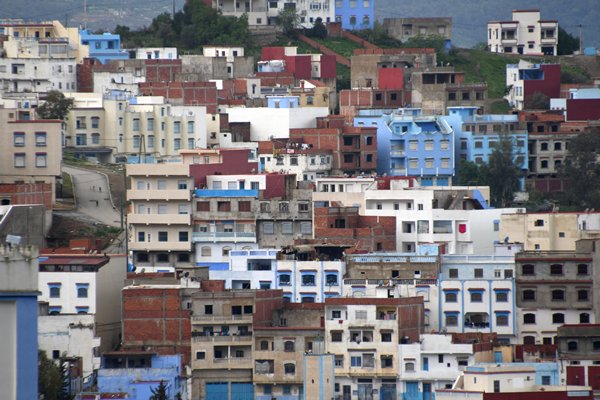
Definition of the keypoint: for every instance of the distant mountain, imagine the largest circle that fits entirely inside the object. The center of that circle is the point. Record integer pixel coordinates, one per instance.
(469, 18)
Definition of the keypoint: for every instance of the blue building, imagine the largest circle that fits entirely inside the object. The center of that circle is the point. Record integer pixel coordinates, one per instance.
(18, 330)
(283, 101)
(355, 14)
(409, 144)
(104, 47)
(476, 294)
(137, 374)
(477, 136)
(546, 373)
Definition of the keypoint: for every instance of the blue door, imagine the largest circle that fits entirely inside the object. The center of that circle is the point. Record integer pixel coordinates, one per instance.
(497, 356)
(412, 391)
(425, 363)
(427, 391)
(242, 391)
(217, 390)
(387, 391)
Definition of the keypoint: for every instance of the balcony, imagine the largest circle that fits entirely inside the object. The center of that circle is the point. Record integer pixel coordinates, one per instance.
(160, 219)
(200, 193)
(167, 195)
(160, 246)
(223, 340)
(223, 319)
(243, 237)
(398, 152)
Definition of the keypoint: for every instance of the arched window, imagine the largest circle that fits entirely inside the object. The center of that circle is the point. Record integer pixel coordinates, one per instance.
(529, 318)
(558, 318)
(205, 251)
(288, 345)
(527, 269)
(226, 251)
(289, 368)
(529, 340)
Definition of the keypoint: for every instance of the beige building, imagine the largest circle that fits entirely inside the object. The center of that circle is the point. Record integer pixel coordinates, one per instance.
(549, 231)
(159, 221)
(120, 126)
(30, 150)
(526, 33)
(406, 28)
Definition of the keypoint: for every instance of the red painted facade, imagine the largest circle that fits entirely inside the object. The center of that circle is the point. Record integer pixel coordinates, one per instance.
(550, 85)
(328, 67)
(233, 162)
(583, 109)
(391, 78)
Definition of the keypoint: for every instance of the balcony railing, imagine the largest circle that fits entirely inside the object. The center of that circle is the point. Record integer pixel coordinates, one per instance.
(224, 236)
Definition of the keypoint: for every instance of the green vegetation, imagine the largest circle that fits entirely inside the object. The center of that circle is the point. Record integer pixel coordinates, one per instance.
(573, 74)
(53, 383)
(567, 43)
(303, 48)
(56, 106)
(289, 20)
(319, 30)
(160, 392)
(67, 186)
(343, 77)
(582, 171)
(196, 25)
(340, 45)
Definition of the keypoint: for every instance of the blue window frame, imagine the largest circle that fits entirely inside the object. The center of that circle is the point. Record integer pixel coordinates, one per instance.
(284, 279)
(356, 361)
(54, 289)
(309, 278)
(331, 278)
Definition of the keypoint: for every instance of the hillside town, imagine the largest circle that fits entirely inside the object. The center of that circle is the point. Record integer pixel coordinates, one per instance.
(340, 208)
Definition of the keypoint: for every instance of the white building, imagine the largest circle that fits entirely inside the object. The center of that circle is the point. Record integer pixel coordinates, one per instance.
(309, 281)
(431, 364)
(155, 53)
(307, 164)
(526, 33)
(267, 123)
(248, 269)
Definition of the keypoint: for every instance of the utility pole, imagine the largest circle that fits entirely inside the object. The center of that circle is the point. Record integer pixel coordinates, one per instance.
(580, 39)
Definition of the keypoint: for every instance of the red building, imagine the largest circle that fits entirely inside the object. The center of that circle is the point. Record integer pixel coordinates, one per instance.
(354, 149)
(184, 93)
(221, 162)
(302, 66)
(391, 96)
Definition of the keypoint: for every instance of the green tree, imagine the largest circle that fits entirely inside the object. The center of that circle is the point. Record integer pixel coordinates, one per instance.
(567, 43)
(537, 101)
(470, 174)
(50, 381)
(289, 20)
(56, 106)
(319, 30)
(160, 392)
(501, 173)
(582, 171)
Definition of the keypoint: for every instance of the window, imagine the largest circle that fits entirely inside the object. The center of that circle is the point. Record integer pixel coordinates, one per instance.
(331, 279)
(527, 269)
(501, 296)
(476, 297)
(177, 127)
(582, 269)
(558, 318)
(284, 279)
(19, 139)
(556, 269)
(136, 124)
(356, 361)
(453, 273)
(82, 290)
(223, 206)
(141, 236)
(19, 160)
(582, 295)
(360, 315)
(502, 319)
(308, 279)
(538, 222)
(584, 318)
(451, 319)
(208, 309)
(163, 236)
(478, 272)
(244, 206)
(529, 318)
(41, 160)
(54, 290)
(183, 236)
(286, 228)
(572, 345)
(288, 346)
(268, 228)
(336, 336)
(558, 295)
(190, 127)
(205, 251)
(409, 367)
(264, 345)
(289, 368)
(303, 207)
(451, 297)
(40, 139)
(225, 251)
(528, 295)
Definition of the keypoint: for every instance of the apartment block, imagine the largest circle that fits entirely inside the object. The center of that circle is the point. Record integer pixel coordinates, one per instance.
(476, 294)
(103, 47)
(363, 335)
(526, 33)
(30, 150)
(160, 216)
(578, 351)
(355, 14)
(296, 158)
(404, 29)
(553, 288)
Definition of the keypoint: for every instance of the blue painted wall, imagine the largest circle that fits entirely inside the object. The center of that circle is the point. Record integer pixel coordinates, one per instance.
(104, 47)
(283, 101)
(355, 14)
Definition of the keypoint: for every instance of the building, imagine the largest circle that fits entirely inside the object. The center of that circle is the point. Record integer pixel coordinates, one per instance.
(432, 363)
(477, 136)
(577, 351)
(364, 334)
(222, 343)
(103, 47)
(553, 288)
(309, 281)
(155, 53)
(217, 62)
(551, 231)
(301, 66)
(353, 101)
(306, 163)
(160, 215)
(476, 294)
(508, 381)
(526, 79)
(404, 29)
(526, 33)
(355, 15)
(18, 311)
(137, 373)
(30, 150)
(409, 144)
